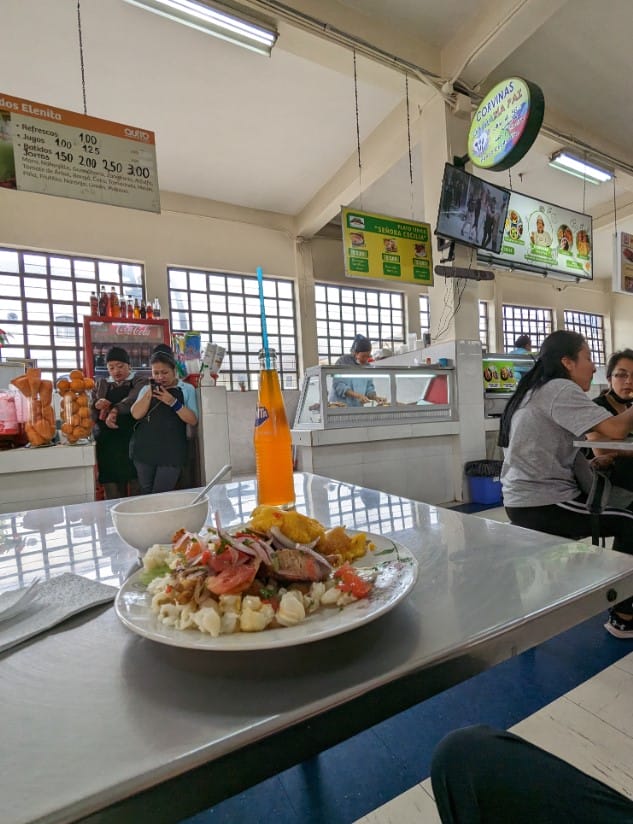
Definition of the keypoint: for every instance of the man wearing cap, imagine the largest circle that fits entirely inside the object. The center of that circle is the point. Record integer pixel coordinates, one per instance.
(349, 389)
(113, 423)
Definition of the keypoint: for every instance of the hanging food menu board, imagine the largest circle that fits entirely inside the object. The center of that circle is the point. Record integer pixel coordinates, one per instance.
(544, 238)
(378, 246)
(623, 263)
(57, 152)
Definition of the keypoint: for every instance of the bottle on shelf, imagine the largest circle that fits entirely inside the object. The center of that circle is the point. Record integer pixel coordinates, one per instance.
(149, 311)
(137, 308)
(94, 304)
(123, 303)
(143, 309)
(130, 307)
(103, 303)
(272, 440)
(156, 308)
(115, 307)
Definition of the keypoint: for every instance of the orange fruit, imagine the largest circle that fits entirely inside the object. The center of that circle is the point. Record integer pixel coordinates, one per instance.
(77, 385)
(82, 399)
(89, 383)
(63, 386)
(76, 375)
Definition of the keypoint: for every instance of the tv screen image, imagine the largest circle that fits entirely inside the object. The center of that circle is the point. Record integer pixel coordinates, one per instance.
(472, 211)
(543, 238)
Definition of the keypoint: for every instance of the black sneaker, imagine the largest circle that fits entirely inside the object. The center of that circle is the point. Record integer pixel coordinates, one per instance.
(619, 627)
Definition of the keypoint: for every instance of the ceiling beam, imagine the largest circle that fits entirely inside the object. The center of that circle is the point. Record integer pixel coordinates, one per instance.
(379, 152)
(333, 18)
(502, 26)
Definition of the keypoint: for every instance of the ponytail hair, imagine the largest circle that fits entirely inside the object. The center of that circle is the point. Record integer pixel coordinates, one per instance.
(548, 366)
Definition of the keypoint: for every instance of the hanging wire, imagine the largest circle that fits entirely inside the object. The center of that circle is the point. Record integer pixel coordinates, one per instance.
(584, 186)
(81, 55)
(615, 209)
(510, 178)
(406, 86)
(360, 165)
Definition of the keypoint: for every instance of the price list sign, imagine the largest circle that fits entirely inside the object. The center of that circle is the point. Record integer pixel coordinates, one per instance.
(57, 152)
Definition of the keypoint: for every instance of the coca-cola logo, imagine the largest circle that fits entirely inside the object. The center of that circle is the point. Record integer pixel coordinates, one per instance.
(137, 331)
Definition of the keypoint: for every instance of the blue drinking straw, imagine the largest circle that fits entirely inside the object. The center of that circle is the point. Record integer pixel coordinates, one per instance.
(260, 283)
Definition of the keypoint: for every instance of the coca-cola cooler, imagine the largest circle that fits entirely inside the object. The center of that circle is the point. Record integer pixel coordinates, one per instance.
(138, 337)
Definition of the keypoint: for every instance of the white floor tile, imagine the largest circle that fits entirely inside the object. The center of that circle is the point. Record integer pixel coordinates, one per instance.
(584, 740)
(415, 806)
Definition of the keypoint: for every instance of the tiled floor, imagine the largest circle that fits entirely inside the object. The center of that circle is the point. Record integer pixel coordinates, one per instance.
(590, 727)
(572, 695)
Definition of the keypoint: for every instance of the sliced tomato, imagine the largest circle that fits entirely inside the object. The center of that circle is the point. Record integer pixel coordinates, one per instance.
(233, 580)
(350, 581)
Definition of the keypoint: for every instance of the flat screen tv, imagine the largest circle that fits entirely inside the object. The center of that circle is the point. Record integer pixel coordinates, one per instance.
(472, 211)
(546, 239)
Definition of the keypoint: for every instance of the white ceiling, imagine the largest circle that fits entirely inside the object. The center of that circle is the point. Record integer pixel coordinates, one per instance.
(279, 134)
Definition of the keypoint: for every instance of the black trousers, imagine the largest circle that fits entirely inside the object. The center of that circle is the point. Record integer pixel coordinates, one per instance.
(571, 519)
(485, 776)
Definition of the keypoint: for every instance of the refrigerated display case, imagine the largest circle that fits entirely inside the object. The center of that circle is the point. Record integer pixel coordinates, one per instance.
(138, 337)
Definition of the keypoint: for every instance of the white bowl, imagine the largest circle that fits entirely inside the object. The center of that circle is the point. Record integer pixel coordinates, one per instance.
(153, 519)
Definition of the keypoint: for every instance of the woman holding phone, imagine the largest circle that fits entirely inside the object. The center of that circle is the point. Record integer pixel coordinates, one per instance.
(162, 411)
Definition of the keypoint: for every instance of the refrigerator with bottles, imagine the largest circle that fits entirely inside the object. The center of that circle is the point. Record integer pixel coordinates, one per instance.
(137, 336)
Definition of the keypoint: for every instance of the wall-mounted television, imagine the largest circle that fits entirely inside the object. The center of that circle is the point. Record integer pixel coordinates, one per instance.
(472, 211)
(546, 239)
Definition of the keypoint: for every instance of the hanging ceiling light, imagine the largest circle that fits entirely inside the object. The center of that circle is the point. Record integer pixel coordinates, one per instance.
(567, 162)
(241, 31)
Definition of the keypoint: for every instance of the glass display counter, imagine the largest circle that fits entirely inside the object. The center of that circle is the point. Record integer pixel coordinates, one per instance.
(501, 374)
(335, 397)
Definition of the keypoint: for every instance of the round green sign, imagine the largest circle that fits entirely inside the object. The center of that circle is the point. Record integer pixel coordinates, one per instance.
(506, 124)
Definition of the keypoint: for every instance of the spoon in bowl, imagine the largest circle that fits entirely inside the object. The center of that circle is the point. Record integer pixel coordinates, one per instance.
(226, 468)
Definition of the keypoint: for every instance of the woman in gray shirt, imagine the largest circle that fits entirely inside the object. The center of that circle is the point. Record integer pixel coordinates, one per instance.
(548, 411)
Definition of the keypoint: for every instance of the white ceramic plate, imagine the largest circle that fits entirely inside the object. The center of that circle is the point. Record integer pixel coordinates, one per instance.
(397, 573)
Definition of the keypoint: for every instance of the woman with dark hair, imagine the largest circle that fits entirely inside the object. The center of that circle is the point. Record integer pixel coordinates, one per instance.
(113, 399)
(547, 413)
(162, 411)
(617, 399)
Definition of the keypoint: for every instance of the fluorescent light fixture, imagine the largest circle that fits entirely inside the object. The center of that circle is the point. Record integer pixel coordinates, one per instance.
(567, 162)
(241, 31)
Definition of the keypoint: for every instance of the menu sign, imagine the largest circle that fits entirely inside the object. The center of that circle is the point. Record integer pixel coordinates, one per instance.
(542, 237)
(57, 152)
(499, 376)
(506, 124)
(623, 268)
(377, 246)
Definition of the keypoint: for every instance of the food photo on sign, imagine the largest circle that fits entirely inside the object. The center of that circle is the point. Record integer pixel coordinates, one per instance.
(623, 263)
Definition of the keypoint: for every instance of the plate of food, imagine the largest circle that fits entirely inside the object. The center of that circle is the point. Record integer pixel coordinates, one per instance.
(279, 580)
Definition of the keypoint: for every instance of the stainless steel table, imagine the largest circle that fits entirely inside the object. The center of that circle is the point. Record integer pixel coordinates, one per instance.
(104, 726)
(625, 446)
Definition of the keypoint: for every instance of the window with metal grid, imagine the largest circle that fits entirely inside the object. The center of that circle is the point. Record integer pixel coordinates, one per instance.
(225, 309)
(533, 321)
(592, 328)
(484, 325)
(425, 316)
(45, 297)
(342, 312)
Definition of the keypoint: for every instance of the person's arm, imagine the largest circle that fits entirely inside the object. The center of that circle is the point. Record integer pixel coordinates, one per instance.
(615, 427)
(189, 411)
(140, 407)
(124, 406)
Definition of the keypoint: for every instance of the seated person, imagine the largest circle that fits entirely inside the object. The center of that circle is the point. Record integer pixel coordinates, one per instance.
(618, 398)
(480, 774)
(547, 413)
(522, 346)
(355, 391)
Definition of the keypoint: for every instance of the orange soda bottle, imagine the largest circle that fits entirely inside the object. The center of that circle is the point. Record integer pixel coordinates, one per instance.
(272, 440)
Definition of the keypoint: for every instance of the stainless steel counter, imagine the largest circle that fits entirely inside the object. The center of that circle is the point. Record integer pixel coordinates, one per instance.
(101, 724)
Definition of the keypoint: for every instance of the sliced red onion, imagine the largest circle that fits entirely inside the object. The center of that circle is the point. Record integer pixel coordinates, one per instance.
(287, 542)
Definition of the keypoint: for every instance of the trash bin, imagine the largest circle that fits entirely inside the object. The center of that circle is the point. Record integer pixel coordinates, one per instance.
(484, 484)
